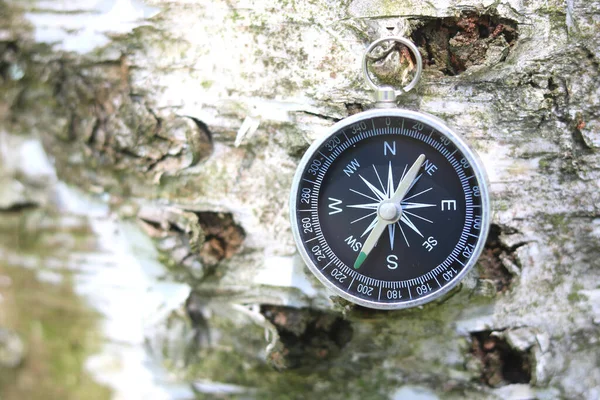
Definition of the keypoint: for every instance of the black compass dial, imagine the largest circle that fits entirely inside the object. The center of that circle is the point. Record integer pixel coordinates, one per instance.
(390, 211)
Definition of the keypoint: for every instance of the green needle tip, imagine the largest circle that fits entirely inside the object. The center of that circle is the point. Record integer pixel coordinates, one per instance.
(361, 258)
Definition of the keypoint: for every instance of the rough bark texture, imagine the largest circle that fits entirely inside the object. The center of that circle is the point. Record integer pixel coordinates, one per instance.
(181, 122)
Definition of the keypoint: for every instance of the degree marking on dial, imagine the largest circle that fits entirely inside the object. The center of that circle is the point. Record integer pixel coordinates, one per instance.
(325, 157)
(310, 240)
(309, 181)
(328, 264)
(460, 262)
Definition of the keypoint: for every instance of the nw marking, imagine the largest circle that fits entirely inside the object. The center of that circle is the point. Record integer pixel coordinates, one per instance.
(352, 167)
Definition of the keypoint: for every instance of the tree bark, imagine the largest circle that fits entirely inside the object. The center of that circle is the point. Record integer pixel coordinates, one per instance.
(171, 130)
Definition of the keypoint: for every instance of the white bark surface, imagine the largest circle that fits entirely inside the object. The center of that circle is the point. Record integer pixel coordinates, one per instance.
(166, 111)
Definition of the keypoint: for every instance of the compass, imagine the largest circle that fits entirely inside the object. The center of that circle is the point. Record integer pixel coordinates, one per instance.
(390, 208)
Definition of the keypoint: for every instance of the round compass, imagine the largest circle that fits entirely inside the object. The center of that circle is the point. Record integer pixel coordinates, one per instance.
(390, 209)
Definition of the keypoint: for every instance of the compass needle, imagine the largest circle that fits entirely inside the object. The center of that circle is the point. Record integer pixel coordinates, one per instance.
(388, 212)
(370, 243)
(390, 209)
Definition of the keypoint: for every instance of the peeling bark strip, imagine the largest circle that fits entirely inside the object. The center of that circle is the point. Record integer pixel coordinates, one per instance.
(145, 107)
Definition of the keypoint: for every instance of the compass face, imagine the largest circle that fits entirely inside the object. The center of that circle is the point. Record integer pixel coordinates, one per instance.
(382, 226)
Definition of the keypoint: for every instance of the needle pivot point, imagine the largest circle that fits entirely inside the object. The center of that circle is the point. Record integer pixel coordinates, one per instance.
(389, 211)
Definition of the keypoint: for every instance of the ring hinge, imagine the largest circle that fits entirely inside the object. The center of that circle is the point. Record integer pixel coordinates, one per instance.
(383, 91)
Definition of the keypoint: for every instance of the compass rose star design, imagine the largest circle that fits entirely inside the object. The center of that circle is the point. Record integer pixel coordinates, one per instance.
(379, 193)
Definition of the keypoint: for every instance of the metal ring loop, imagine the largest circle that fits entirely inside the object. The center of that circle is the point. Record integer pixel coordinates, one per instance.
(411, 46)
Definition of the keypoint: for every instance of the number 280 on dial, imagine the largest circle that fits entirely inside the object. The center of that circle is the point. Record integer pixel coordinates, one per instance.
(390, 209)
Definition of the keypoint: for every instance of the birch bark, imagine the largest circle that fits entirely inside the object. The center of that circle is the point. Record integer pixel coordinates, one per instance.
(181, 122)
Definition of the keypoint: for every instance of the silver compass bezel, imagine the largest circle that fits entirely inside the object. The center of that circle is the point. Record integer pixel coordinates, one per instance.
(460, 144)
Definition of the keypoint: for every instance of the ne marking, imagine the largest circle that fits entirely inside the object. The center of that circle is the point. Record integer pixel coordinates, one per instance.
(351, 283)
(314, 183)
(310, 240)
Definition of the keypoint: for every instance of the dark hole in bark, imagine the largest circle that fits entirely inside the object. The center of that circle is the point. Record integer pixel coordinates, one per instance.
(16, 208)
(453, 44)
(201, 338)
(354, 108)
(490, 262)
(8, 55)
(501, 364)
(200, 141)
(307, 337)
(223, 237)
